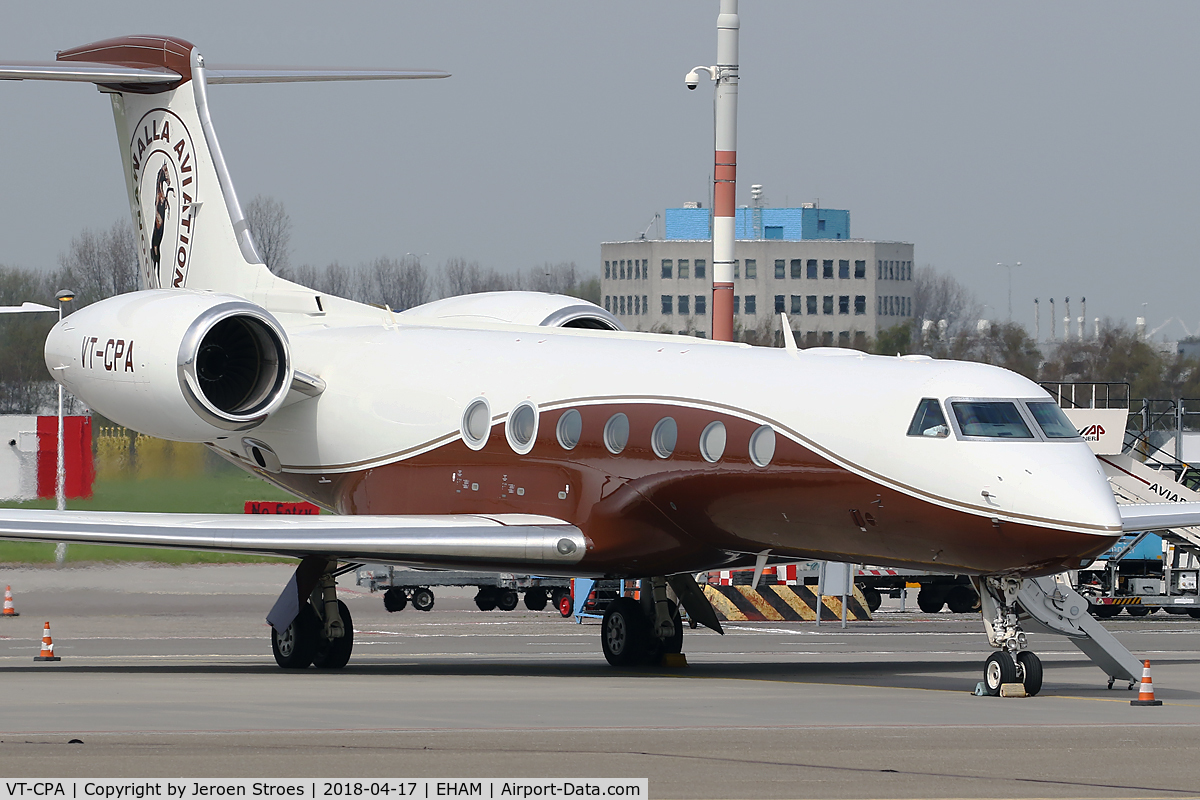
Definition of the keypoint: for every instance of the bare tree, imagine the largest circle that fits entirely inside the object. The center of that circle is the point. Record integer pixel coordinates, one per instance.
(100, 264)
(271, 229)
(401, 284)
(939, 297)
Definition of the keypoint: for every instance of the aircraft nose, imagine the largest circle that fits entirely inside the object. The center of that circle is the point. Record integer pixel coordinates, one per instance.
(1065, 486)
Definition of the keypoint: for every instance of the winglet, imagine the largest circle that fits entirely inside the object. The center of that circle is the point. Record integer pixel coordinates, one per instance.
(789, 340)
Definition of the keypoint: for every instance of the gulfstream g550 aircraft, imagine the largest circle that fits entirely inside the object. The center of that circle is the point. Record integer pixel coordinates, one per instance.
(531, 433)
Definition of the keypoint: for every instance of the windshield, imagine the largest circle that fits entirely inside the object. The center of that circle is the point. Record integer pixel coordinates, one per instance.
(928, 421)
(1052, 420)
(991, 419)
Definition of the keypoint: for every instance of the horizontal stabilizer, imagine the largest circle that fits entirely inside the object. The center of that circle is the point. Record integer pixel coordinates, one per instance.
(218, 74)
(498, 540)
(85, 72)
(1159, 516)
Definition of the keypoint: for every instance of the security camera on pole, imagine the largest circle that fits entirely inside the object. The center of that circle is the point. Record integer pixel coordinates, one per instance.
(725, 73)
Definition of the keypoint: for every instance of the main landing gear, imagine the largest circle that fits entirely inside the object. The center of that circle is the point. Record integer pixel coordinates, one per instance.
(640, 632)
(322, 634)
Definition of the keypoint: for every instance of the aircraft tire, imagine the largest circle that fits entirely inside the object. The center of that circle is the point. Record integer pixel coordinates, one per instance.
(1137, 611)
(335, 654)
(535, 599)
(394, 599)
(931, 599)
(506, 600)
(1000, 668)
(1105, 612)
(1032, 667)
(422, 599)
(295, 647)
(624, 633)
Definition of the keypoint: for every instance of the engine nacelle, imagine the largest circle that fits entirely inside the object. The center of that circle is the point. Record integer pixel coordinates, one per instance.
(518, 308)
(175, 364)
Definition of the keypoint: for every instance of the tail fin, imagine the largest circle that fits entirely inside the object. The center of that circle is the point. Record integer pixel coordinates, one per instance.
(190, 227)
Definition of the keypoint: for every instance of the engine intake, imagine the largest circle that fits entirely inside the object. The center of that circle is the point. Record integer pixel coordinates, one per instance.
(233, 365)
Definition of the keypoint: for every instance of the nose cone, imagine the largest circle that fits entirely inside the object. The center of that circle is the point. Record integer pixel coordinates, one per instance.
(1063, 486)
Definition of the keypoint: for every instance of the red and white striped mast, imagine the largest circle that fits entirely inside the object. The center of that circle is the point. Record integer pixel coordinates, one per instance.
(725, 73)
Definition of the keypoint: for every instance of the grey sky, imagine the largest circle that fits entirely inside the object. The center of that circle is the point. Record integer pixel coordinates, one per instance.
(1061, 135)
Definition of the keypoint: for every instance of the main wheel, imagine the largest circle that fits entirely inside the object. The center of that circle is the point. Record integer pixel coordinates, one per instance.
(1000, 668)
(485, 599)
(335, 653)
(562, 601)
(624, 632)
(535, 599)
(394, 599)
(294, 647)
(931, 599)
(422, 599)
(1031, 665)
(873, 597)
(962, 600)
(507, 600)
(1137, 611)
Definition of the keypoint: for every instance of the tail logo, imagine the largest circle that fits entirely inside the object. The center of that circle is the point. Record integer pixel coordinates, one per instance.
(163, 162)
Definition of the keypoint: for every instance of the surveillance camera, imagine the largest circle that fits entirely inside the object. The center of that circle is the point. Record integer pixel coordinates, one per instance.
(692, 79)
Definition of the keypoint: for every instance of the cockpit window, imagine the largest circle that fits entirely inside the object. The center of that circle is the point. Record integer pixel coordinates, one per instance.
(993, 420)
(1052, 420)
(928, 421)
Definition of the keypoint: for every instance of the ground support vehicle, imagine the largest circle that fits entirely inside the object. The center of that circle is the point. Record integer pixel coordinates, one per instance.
(500, 590)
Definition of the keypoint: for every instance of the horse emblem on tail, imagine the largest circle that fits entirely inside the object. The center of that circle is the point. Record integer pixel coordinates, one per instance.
(162, 210)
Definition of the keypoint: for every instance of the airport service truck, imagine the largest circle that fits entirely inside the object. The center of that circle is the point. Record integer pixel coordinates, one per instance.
(494, 590)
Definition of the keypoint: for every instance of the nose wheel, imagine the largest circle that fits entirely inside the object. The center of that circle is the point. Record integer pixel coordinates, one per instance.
(1003, 667)
(1012, 663)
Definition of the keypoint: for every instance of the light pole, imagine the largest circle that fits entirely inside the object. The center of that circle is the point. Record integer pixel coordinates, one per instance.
(60, 488)
(725, 73)
(1009, 267)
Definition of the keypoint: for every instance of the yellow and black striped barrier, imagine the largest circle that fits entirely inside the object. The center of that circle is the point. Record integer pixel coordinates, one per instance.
(779, 602)
(1119, 601)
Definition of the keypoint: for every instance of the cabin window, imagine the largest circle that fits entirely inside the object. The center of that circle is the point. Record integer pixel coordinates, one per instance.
(991, 419)
(1052, 420)
(928, 421)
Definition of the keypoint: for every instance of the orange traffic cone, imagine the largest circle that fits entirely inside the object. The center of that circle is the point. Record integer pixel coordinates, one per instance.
(9, 611)
(1146, 692)
(47, 647)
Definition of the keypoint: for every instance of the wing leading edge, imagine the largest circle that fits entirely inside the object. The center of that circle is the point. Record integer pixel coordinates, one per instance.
(1158, 516)
(499, 542)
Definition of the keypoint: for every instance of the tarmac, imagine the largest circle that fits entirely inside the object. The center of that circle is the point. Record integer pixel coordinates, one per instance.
(167, 672)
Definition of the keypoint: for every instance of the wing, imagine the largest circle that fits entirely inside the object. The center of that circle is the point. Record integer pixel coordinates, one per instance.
(499, 542)
(1158, 516)
(112, 74)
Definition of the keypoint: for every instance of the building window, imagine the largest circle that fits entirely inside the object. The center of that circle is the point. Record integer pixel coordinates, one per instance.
(843, 269)
(820, 224)
(666, 305)
(827, 304)
(737, 305)
(878, 270)
(621, 305)
(637, 305)
(779, 304)
(843, 338)
(701, 305)
(860, 269)
(827, 339)
(666, 269)
(844, 304)
(683, 268)
(737, 268)
(827, 268)
(607, 271)
(797, 268)
(751, 304)
(810, 303)
(860, 304)
(622, 268)
(607, 302)
(700, 266)
(780, 269)
(812, 269)
(810, 339)
(645, 302)
(910, 270)
(684, 305)
(797, 301)
(751, 269)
